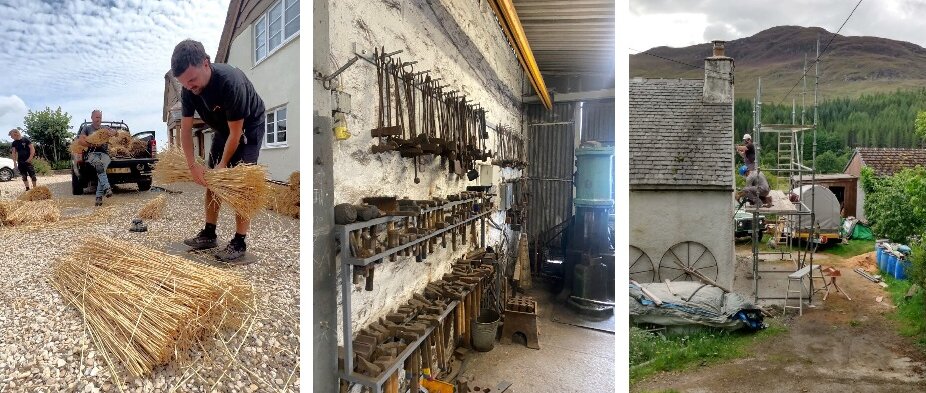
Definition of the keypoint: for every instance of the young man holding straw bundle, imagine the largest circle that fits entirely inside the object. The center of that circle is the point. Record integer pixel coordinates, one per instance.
(97, 155)
(227, 101)
(23, 151)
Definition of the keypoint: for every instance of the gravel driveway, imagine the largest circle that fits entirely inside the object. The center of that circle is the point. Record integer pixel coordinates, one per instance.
(43, 344)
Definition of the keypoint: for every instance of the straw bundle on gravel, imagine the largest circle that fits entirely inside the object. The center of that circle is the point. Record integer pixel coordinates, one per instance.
(33, 212)
(243, 186)
(39, 193)
(294, 181)
(7, 207)
(284, 200)
(100, 137)
(154, 209)
(142, 306)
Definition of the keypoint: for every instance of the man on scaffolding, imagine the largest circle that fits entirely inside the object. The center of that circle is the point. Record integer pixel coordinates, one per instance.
(748, 152)
(756, 190)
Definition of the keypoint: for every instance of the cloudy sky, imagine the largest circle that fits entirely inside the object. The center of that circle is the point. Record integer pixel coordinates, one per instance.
(679, 23)
(110, 55)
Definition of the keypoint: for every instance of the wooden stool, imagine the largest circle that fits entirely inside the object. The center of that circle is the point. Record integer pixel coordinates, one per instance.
(521, 317)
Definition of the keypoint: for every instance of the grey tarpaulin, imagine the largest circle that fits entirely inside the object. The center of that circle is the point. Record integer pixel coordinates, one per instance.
(709, 306)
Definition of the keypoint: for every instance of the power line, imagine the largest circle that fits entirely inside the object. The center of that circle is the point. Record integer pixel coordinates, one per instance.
(680, 62)
(817, 60)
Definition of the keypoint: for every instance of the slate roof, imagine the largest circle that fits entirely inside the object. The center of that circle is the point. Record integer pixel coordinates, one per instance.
(676, 141)
(887, 161)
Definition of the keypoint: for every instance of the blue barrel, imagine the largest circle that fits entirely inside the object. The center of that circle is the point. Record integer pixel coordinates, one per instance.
(900, 272)
(879, 256)
(891, 264)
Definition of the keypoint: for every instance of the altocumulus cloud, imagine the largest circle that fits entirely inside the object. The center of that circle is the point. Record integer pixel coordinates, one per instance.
(82, 55)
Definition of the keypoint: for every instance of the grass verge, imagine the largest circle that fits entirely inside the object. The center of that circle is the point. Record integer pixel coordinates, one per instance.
(853, 248)
(650, 353)
(910, 314)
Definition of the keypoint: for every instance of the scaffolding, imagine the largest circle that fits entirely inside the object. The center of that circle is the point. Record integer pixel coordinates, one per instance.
(789, 163)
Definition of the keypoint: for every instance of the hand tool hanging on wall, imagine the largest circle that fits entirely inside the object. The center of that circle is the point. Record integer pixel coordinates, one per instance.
(385, 129)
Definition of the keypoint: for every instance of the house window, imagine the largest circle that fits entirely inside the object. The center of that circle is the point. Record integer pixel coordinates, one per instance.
(275, 27)
(276, 127)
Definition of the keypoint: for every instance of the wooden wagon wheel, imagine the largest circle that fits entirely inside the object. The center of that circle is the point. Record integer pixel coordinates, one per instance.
(691, 255)
(641, 266)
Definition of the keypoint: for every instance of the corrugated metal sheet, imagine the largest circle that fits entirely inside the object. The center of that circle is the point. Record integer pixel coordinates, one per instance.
(550, 154)
(598, 121)
(573, 36)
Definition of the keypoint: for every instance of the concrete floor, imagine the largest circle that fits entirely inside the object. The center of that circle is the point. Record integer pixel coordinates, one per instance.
(570, 359)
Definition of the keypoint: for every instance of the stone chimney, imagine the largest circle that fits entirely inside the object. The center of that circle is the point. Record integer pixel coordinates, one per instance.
(718, 77)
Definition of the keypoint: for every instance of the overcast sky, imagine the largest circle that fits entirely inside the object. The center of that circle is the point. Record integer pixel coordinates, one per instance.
(110, 55)
(680, 23)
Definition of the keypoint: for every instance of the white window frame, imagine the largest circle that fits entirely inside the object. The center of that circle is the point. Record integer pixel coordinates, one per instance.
(267, 127)
(263, 21)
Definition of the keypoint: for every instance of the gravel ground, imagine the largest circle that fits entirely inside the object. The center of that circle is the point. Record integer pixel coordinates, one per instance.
(45, 348)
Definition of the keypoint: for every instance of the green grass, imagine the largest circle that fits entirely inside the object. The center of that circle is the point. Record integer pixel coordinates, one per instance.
(910, 314)
(650, 353)
(855, 247)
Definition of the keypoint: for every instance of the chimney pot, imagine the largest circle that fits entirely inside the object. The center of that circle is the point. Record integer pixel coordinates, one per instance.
(718, 48)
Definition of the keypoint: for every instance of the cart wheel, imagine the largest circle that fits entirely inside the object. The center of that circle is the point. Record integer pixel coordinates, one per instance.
(641, 266)
(691, 255)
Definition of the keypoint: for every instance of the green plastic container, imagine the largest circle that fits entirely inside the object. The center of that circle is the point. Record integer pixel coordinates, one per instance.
(594, 168)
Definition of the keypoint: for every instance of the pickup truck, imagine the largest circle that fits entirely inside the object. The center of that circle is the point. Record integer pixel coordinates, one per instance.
(120, 170)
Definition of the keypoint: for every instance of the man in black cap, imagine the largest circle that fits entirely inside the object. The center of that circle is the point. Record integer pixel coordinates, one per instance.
(227, 101)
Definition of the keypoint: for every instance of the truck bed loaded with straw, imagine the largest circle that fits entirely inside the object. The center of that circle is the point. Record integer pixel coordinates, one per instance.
(133, 157)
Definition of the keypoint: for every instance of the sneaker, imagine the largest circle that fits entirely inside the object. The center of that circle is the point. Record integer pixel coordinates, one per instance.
(99, 201)
(232, 254)
(202, 241)
(109, 192)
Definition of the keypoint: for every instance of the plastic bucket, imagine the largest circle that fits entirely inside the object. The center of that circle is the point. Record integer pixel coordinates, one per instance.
(900, 272)
(484, 329)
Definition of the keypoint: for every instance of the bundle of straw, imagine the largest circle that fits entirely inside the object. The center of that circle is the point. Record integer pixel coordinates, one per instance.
(77, 149)
(99, 138)
(154, 209)
(243, 186)
(143, 306)
(138, 148)
(33, 212)
(39, 193)
(119, 151)
(294, 181)
(122, 138)
(171, 168)
(7, 207)
(284, 200)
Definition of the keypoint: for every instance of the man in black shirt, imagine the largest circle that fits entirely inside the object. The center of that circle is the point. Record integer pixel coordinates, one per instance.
(226, 101)
(23, 151)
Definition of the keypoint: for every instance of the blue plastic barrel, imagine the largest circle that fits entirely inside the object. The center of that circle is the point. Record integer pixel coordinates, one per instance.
(900, 272)
(891, 264)
(879, 255)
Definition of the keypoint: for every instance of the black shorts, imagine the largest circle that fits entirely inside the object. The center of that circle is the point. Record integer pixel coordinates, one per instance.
(247, 153)
(26, 170)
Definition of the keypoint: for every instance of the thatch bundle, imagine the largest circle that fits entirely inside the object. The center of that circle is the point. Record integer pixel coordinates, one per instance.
(77, 149)
(119, 151)
(39, 193)
(142, 306)
(243, 186)
(294, 181)
(7, 207)
(284, 200)
(122, 138)
(154, 209)
(98, 138)
(171, 168)
(32, 212)
(138, 148)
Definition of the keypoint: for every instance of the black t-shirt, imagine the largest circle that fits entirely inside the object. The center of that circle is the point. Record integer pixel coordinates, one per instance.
(229, 96)
(22, 149)
(750, 153)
